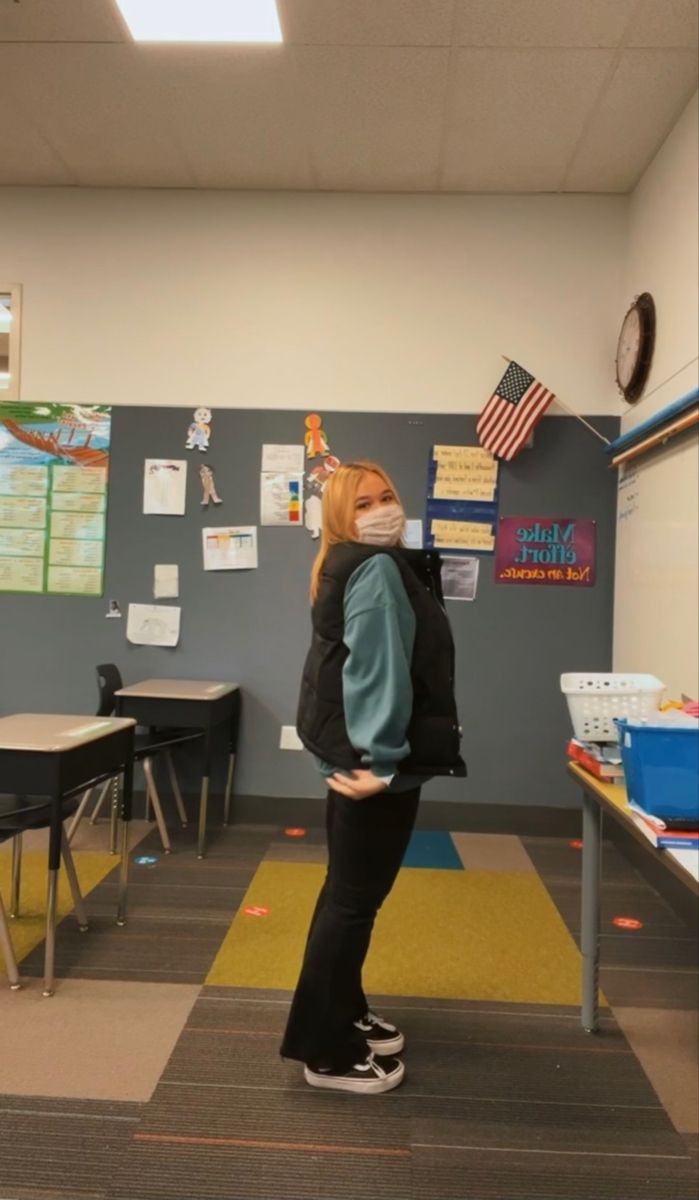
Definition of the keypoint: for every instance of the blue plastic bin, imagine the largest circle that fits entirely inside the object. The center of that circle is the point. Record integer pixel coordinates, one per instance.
(661, 768)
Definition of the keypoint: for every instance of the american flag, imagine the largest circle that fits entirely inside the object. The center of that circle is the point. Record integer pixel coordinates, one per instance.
(513, 410)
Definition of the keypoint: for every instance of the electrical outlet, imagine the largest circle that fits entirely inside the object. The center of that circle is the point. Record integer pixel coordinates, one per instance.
(289, 739)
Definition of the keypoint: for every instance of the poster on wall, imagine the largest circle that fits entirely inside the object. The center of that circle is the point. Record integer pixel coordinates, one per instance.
(54, 468)
(546, 550)
(462, 500)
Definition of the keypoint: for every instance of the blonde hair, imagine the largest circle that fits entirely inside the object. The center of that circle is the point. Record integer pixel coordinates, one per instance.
(339, 495)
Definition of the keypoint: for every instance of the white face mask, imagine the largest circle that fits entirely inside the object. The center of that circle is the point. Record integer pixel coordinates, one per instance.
(382, 526)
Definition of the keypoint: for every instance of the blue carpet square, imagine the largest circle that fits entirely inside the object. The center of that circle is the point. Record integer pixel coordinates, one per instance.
(432, 849)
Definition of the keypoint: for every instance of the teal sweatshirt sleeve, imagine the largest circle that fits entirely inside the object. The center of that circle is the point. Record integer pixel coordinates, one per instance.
(376, 684)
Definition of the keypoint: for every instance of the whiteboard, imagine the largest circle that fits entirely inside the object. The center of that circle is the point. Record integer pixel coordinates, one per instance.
(656, 600)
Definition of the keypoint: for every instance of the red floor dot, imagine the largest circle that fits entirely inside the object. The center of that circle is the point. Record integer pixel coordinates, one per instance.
(255, 910)
(576, 844)
(627, 923)
(295, 832)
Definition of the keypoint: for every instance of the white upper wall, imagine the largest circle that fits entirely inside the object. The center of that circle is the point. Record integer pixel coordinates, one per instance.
(661, 258)
(298, 301)
(656, 603)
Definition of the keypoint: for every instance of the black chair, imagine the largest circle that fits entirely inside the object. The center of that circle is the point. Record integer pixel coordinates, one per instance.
(17, 815)
(147, 746)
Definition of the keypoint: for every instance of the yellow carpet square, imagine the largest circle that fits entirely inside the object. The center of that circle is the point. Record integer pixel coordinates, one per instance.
(30, 928)
(475, 935)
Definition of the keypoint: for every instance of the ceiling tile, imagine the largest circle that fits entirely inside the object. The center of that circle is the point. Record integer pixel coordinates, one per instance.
(649, 90)
(236, 115)
(25, 156)
(366, 22)
(541, 22)
(515, 116)
(665, 23)
(101, 110)
(374, 115)
(60, 21)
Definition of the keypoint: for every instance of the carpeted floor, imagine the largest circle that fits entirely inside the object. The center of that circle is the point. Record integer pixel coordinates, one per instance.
(154, 1073)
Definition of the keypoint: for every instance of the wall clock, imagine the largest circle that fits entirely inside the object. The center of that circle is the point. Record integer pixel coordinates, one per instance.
(634, 352)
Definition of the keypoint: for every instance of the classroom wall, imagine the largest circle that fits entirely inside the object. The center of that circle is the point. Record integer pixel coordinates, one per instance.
(253, 627)
(657, 558)
(290, 301)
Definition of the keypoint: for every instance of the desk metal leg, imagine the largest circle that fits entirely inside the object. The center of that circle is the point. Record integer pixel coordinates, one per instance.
(203, 805)
(126, 803)
(114, 816)
(69, 865)
(590, 911)
(7, 951)
(229, 788)
(16, 874)
(176, 789)
(204, 796)
(55, 834)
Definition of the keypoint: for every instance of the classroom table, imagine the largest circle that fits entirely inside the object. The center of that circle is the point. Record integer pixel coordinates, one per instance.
(45, 754)
(190, 704)
(608, 798)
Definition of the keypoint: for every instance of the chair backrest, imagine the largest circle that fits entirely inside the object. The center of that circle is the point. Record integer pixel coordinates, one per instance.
(108, 681)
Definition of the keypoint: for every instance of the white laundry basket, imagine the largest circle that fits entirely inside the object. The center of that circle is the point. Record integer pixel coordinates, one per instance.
(595, 700)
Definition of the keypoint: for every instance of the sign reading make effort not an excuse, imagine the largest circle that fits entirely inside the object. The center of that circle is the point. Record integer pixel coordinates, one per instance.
(554, 550)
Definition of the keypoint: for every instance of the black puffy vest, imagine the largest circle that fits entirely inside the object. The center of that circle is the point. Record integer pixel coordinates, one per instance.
(434, 733)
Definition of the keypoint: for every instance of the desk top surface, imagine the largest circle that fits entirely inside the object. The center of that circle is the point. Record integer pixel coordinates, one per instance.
(178, 689)
(52, 732)
(614, 796)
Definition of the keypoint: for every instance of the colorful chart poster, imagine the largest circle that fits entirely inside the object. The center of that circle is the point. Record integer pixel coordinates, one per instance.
(546, 550)
(281, 498)
(54, 467)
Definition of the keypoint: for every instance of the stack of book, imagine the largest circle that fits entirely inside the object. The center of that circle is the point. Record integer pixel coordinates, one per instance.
(666, 835)
(601, 759)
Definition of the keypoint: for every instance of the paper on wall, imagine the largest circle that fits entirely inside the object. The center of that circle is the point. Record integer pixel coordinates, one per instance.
(282, 458)
(280, 498)
(413, 535)
(165, 486)
(153, 625)
(462, 535)
(460, 578)
(166, 581)
(230, 548)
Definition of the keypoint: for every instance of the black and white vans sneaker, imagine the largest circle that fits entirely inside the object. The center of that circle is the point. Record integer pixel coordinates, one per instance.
(381, 1037)
(368, 1077)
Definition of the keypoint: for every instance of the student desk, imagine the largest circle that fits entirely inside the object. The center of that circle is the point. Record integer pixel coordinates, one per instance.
(191, 704)
(609, 798)
(56, 756)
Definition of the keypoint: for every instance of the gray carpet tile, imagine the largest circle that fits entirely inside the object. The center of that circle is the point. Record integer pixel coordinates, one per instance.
(170, 1171)
(297, 851)
(481, 1173)
(556, 858)
(650, 988)
(635, 899)
(179, 910)
(146, 949)
(655, 966)
(62, 1149)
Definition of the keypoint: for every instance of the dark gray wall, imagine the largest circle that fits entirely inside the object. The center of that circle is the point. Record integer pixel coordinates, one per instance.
(253, 627)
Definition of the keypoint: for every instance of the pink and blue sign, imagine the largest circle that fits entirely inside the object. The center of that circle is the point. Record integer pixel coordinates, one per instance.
(546, 550)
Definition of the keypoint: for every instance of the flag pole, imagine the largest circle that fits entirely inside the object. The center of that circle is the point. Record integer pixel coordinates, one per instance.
(572, 413)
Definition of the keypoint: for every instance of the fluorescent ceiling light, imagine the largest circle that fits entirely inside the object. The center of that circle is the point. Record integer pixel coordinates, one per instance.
(202, 20)
(5, 319)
